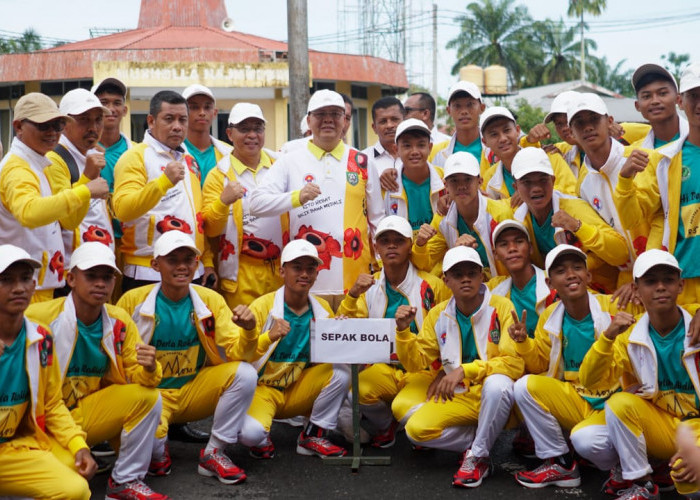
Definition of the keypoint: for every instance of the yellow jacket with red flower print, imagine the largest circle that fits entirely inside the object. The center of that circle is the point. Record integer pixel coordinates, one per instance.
(148, 204)
(97, 223)
(30, 214)
(221, 339)
(239, 232)
(119, 339)
(48, 414)
(340, 221)
(439, 342)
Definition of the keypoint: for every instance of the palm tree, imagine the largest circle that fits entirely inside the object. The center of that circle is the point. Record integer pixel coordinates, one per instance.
(576, 9)
(495, 32)
(29, 41)
(612, 78)
(559, 52)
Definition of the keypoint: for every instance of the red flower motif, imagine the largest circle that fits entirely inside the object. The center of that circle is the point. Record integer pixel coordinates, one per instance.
(56, 264)
(326, 246)
(170, 223)
(285, 238)
(193, 166)
(358, 163)
(98, 234)
(226, 248)
(639, 244)
(353, 243)
(200, 223)
(259, 248)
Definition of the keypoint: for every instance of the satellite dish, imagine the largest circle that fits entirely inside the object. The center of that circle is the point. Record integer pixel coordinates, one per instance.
(227, 24)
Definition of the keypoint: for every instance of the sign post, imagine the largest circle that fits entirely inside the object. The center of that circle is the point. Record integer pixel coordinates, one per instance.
(354, 341)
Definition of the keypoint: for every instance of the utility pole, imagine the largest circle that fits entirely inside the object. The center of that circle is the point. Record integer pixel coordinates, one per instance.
(583, 52)
(435, 51)
(298, 59)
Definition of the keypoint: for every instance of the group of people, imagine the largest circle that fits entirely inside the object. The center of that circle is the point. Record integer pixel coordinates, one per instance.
(548, 288)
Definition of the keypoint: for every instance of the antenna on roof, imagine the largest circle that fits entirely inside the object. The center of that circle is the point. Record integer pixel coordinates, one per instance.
(227, 24)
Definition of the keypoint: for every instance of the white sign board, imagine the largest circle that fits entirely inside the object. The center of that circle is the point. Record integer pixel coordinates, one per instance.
(353, 340)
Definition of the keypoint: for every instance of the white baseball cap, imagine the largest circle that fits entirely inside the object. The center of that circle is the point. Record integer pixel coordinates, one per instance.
(529, 160)
(197, 89)
(586, 101)
(492, 113)
(411, 124)
(172, 240)
(109, 81)
(690, 78)
(651, 69)
(10, 254)
(464, 86)
(299, 248)
(92, 254)
(324, 97)
(560, 251)
(560, 104)
(244, 110)
(304, 125)
(78, 101)
(652, 258)
(394, 223)
(458, 254)
(461, 163)
(509, 224)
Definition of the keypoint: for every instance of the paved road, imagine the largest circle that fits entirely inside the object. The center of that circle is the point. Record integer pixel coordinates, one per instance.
(412, 474)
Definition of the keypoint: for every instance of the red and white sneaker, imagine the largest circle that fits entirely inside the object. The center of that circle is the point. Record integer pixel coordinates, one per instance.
(472, 471)
(616, 483)
(637, 492)
(387, 438)
(134, 490)
(217, 464)
(550, 473)
(320, 446)
(263, 452)
(161, 467)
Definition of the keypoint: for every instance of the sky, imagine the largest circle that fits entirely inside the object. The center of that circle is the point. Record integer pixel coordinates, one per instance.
(637, 31)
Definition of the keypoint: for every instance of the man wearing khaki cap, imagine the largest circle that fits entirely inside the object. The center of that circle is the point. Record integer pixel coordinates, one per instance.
(249, 246)
(75, 161)
(30, 214)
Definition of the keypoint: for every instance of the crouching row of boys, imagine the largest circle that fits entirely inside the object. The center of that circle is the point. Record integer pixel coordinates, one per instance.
(77, 371)
(466, 366)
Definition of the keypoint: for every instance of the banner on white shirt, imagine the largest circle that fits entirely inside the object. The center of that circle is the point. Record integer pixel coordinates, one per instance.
(353, 340)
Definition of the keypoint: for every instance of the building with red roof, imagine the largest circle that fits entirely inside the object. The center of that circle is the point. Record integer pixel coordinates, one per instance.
(181, 42)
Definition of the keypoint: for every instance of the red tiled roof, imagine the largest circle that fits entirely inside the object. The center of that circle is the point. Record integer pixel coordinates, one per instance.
(187, 31)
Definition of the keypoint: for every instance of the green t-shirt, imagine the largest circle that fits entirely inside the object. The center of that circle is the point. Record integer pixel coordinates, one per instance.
(420, 210)
(205, 159)
(544, 235)
(526, 299)
(178, 348)
(14, 389)
(473, 148)
(394, 300)
(296, 345)
(112, 154)
(88, 364)
(508, 180)
(676, 393)
(469, 352)
(463, 228)
(688, 243)
(658, 142)
(578, 339)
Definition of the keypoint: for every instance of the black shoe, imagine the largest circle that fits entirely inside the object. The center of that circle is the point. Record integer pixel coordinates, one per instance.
(102, 449)
(186, 433)
(103, 464)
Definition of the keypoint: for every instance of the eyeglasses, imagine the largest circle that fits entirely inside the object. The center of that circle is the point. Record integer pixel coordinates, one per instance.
(411, 110)
(247, 129)
(55, 125)
(322, 115)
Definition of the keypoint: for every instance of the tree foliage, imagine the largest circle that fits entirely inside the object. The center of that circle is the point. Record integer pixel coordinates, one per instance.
(29, 41)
